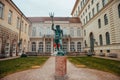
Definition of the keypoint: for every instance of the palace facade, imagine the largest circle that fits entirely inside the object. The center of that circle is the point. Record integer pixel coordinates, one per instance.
(42, 36)
(14, 28)
(101, 25)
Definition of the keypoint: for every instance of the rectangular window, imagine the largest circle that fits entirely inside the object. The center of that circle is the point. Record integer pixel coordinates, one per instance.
(92, 1)
(72, 32)
(1, 10)
(10, 17)
(86, 19)
(97, 7)
(25, 28)
(22, 26)
(84, 32)
(89, 15)
(93, 11)
(89, 6)
(78, 32)
(103, 3)
(18, 23)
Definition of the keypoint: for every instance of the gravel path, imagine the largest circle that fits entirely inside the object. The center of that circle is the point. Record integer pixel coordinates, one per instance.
(46, 72)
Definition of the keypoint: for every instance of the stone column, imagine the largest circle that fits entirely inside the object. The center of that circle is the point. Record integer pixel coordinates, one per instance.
(76, 46)
(60, 68)
(44, 45)
(51, 45)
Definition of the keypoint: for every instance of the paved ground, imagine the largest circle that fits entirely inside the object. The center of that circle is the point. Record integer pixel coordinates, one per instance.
(46, 72)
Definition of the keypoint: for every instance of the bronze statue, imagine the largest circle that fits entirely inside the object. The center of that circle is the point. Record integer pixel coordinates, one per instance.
(58, 37)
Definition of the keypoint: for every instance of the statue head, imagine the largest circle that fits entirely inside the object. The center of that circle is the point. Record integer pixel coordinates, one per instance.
(58, 27)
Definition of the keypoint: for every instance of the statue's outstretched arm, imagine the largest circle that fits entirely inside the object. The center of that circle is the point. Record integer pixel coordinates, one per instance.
(53, 27)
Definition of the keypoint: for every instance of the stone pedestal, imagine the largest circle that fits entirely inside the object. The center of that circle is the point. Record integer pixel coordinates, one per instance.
(60, 68)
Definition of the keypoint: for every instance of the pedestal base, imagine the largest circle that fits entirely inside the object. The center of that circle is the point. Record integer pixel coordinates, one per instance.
(61, 77)
(60, 68)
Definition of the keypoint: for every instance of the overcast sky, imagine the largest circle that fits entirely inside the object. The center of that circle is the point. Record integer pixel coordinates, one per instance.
(42, 7)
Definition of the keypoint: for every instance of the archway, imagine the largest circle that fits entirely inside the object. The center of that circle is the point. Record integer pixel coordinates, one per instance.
(79, 47)
(7, 48)
(14, 48)
(40, 47)
(91, 42)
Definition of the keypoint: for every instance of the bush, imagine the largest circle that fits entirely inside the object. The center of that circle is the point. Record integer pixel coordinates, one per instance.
(23, 55)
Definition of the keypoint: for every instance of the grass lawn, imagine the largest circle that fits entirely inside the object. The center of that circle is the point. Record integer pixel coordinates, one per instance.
(19, 64)
(97, 63)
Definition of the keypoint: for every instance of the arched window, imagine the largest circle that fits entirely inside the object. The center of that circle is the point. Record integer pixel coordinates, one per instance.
(1, 10)
(7, 47)
(103, 3)
(33, 46)
(119, 10)
(99, 23)
(72, 46)
(65, 46)
(105, 19)
(48, 46)
(101, 40)
(40, 47)
(107, 38)
(79, 46)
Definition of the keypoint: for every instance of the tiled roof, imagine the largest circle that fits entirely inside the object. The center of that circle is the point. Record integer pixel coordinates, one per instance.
(42, 19)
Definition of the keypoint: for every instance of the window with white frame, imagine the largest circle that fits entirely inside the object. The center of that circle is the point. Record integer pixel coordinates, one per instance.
(98, 7)
(72, 47)
(40, 47)
(48, 46)
(34, 31)
(105, 19)
(93, 12)
(71, 31)
(89, 15)
(78, 32)
(18, 23)
(10, 17)
(107, 38)
(1, 10)
(103, 3)
(100, 40)
(22, 26)
(33, 46)
(79, 46)
(99, 23)
(65, 46)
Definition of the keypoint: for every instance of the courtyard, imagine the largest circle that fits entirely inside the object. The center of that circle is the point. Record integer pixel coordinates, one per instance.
(78, 68)
(49, 40)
